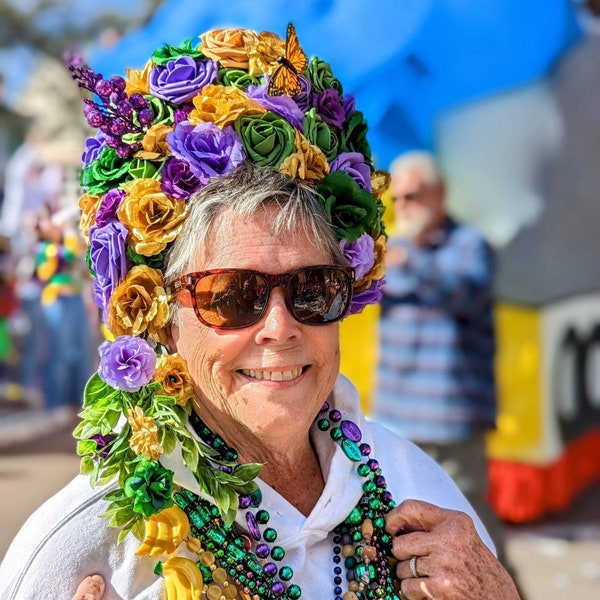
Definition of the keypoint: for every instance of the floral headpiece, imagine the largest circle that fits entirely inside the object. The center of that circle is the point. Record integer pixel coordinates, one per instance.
(193, 113)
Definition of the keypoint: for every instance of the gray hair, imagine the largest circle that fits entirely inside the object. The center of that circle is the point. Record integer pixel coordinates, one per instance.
(423, 162)
(247, 191)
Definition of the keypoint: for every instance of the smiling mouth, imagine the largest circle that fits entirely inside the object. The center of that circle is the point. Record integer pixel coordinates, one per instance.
(272, 375)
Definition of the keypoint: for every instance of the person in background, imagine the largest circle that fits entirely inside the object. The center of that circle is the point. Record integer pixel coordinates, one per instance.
(227, 455)
(435, 375)
(59, 267)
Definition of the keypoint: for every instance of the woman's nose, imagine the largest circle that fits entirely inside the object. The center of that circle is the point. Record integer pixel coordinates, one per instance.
(277, 323)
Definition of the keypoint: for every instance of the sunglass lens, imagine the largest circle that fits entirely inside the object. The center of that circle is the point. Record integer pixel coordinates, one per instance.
(320, 295)
(231, 300)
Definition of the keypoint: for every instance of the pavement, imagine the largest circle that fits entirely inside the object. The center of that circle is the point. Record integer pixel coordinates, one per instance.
(556, 558)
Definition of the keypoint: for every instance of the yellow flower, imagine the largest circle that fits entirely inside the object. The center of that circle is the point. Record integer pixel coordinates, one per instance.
(264, 52)
(154, 143)
(139, 304)
(144, 435)
(153, 219)
(308, 164)
(172, 373)
(378, 269)
(89, 206)
(222, 105)
(228, 46)
(137, 81)
(380, 182)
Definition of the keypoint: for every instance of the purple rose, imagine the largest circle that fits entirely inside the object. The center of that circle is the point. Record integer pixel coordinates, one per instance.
(354, 164)
(93, 148)
(283, 105)
(178, 181)
(126, 364)
(181, 79)
(108, 259)
(303, 98)
(330, 108)
(209, 150)
(349, 104)
(359, 254)
(371, 295)
(107, 211)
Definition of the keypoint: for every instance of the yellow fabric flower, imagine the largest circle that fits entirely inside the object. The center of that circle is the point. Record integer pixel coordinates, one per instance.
(89, 206)
(154, 143)
(172, 373)
(222, 105)
(152, 218)
(308, 164)
(264, 52)
(144, 435)
(137, 81)
(139, 304)
(380, 182)
(378, 269)
(228, 46)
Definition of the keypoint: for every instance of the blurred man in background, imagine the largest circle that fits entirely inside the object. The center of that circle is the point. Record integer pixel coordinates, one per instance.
(436, 360)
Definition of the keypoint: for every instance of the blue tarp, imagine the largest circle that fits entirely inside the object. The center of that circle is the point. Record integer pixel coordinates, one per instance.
(405, 61)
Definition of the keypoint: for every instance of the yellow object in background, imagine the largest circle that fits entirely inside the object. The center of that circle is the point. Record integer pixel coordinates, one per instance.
(359, 348)
(519, 433)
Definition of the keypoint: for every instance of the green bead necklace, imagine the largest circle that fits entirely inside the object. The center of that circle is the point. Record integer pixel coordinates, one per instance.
(252, 560)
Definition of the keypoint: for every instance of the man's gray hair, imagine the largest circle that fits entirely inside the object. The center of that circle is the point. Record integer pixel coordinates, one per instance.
(247, 191)
(424, 162)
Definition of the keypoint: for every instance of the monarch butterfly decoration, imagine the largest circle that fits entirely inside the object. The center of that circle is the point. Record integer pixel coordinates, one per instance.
(285, 78)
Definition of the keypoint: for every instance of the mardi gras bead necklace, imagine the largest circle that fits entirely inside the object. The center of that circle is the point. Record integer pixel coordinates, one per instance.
(251, 566)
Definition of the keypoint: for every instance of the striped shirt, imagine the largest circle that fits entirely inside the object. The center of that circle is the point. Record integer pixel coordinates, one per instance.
(435, 374)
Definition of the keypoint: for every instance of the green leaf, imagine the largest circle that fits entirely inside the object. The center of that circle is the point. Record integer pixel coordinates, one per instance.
(86, 466)
(248, 471)
(85, 447)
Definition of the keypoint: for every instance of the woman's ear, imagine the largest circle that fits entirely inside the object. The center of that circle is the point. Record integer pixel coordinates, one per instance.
(172, 337)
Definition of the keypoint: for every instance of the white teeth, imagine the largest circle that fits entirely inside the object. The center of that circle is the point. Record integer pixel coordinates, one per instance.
(273, 375)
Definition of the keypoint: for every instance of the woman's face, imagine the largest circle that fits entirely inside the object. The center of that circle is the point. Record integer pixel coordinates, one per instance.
(273, 376)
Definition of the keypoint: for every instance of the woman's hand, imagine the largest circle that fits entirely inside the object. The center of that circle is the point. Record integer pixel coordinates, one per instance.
(451, 560)
(91, 588)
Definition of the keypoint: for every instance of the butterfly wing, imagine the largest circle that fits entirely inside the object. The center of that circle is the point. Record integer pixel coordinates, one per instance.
(284, 81)
(293, 52)
(285, 78)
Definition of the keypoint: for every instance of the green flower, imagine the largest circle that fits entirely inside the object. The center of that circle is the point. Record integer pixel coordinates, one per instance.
(104, 173)
(267, 138)
(354, 137)
(318, 133)
(321, 77)
(351, 210)
(142, 169)
(237, 78)
(155, 262)
(151, 487)
(167, 52)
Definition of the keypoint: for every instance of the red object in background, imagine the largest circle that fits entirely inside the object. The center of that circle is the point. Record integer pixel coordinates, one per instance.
(8, 298)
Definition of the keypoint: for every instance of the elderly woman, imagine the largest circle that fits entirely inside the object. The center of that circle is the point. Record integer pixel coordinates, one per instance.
(227, 455)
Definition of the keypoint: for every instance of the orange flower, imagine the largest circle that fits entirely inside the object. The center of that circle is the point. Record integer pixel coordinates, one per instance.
(153, 219)
(172, 373)
(139, 304)
(89, 206)
(377, 270)
(144, 434)
(154, 143)
(222, 105)
(228, 46)
(308, 164)
(137, 81)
